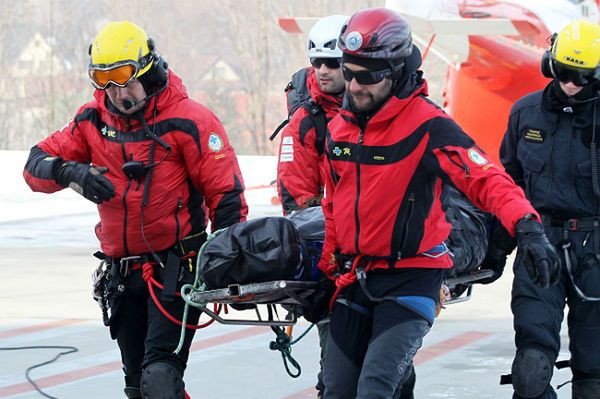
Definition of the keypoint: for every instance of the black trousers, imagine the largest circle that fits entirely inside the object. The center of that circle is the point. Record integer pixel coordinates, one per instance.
(371, 345)
(538, 313)
(144, 334)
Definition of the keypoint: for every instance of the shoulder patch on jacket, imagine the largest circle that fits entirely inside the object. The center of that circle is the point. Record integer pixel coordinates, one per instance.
(214, 142)
(476, 157)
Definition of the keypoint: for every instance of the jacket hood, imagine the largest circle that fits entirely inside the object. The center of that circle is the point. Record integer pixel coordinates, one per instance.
(329, 102)
(173, 93)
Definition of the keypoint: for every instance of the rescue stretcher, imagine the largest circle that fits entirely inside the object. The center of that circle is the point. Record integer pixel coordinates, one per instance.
(288, 293)
(292, 296)
(237, 273)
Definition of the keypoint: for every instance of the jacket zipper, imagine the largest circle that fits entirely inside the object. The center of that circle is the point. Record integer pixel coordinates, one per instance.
(356, 200)
(462, 163)
(411, 209)
(125, 212)
(124, 201)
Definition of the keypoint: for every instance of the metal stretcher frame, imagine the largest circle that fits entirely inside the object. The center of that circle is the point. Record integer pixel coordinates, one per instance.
(293, 295)
(463, 280)
(290, 293)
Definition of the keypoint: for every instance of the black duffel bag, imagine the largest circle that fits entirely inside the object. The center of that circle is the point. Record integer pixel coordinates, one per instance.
(468, 239)
(254, 251)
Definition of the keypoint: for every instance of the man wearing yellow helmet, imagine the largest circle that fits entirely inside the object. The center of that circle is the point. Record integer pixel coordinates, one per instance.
(159, 165)
(551, 150)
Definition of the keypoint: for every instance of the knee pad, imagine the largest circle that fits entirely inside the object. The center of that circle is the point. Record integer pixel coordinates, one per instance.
(132, 386)
(133, 393)
(531, 372)
(586, 389)
(162, 381)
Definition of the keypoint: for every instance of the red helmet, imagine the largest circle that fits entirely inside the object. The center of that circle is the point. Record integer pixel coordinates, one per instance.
(376, 33)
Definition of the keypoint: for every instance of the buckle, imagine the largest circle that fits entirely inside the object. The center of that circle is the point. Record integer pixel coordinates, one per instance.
(126, 263)
(572, 224)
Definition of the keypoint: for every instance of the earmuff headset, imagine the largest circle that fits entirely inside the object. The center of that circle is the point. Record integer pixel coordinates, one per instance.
(158, 73)
(546, 64)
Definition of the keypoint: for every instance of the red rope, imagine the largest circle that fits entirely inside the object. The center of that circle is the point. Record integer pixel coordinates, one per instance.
(148, 276)
(344, 280)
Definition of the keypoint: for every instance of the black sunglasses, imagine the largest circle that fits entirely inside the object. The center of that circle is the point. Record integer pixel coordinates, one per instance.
(331, 63)
(366, 77)
(579, 77)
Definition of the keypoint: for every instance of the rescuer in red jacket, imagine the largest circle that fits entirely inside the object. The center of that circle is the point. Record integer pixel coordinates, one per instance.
(389, 151)
(159, 165)
(301, 166)
(300, 173)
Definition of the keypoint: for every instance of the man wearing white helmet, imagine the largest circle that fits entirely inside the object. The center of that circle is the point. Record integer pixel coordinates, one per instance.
(300, 169)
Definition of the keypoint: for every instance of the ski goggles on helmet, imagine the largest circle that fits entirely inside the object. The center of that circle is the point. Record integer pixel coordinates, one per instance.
(331, 63)
(366, 77)
(120, 73)
(579, 76)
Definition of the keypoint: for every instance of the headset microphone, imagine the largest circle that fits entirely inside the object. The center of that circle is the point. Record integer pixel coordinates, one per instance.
(574, 101)
(128, 104)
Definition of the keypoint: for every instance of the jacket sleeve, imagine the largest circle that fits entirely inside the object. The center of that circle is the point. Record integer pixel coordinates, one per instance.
(457, 159)
(68, 144)
(298, 167)
(508, 150)
(214, 170)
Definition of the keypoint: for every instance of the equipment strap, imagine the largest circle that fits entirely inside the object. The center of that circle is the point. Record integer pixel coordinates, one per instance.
(170, 277)
(572, 224)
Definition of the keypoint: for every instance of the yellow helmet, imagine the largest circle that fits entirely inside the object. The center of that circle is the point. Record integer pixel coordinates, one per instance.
(120, 53)
(575, 53)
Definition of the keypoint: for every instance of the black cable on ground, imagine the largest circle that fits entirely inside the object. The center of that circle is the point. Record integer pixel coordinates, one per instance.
(69, 350)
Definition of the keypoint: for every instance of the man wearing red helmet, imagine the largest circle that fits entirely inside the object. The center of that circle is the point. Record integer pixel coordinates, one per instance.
(389, 151)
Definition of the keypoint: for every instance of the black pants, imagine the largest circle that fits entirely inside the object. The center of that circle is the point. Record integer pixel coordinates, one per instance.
(538, 313)
(371, 345)
(144, 334)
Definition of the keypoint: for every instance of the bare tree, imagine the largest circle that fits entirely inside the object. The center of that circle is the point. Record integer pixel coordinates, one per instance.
(191, 35)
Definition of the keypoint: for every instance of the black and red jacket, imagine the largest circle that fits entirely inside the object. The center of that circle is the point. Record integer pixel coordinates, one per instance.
(199, 175)
(385, 180)
(300, 168)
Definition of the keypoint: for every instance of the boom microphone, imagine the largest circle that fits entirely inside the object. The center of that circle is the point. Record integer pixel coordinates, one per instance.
(574, 101)
(128, 104)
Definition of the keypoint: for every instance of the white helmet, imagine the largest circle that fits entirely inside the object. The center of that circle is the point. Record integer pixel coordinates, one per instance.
(323, 37)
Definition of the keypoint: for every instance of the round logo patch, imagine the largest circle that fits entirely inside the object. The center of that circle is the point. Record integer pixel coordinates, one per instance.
(354, 40)
(215, 143)
(476, 157)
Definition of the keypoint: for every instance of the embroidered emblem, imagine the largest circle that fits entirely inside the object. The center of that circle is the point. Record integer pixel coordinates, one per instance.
(476, 157)
(287, 149)
(215, 143)
(534, 135)
(288, 140)
(337, 152)
(286, 158)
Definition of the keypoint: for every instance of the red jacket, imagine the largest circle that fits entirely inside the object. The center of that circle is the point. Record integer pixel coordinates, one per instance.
(300, 169)
(383, 192)
(200, 173)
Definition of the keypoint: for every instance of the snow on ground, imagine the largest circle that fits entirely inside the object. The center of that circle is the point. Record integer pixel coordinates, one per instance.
(18, 202)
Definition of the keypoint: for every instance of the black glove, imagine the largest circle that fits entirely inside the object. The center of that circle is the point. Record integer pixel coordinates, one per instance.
(538, 254)
(86, 180)
(319, 301)
(500, 246)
